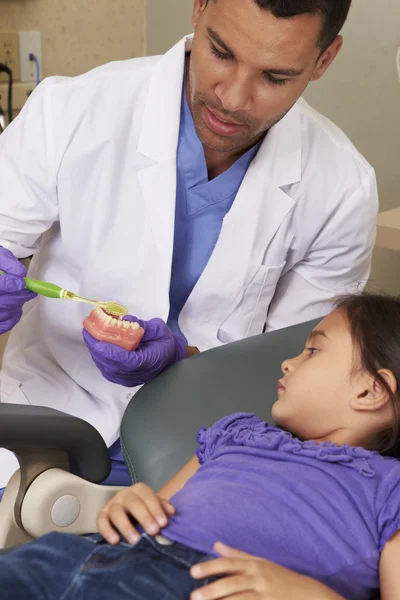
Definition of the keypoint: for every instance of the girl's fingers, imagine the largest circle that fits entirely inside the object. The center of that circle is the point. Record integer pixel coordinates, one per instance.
(120, 520)
(228, 587)
(168, 507)
(219, 566)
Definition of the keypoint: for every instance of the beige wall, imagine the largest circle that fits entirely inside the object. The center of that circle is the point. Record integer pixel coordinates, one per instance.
(78, 35)
(167, 22)
(360, 93)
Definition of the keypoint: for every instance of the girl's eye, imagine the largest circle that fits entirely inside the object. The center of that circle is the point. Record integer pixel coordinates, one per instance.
(274, 80)
(218, 54)
(312, 351)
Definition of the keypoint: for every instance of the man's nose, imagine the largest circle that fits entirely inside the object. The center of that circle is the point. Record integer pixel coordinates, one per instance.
(234, 93)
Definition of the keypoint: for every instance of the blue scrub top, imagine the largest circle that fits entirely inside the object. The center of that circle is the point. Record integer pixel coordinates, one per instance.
(201, 206)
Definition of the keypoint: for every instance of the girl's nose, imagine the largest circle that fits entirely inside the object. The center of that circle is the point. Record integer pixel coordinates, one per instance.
(288, 365)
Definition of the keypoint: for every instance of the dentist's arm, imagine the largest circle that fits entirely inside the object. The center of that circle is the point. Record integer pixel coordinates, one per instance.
(191, 351)
(28, 180)
(338, 262)
(158, 349)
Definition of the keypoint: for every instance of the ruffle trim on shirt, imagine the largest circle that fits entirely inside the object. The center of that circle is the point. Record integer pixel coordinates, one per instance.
(249, 430)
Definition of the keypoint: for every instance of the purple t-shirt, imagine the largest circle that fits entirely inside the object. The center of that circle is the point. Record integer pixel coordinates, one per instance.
(319, 509)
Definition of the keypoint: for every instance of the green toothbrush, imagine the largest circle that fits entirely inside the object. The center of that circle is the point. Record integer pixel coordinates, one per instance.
(50, 290)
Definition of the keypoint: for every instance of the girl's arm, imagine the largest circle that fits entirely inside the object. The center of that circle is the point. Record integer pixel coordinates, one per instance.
(149, 509)
(389, 569)
(246, 576)
(177, 482)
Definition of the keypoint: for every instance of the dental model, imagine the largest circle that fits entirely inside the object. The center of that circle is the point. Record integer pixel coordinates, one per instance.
(106, 328)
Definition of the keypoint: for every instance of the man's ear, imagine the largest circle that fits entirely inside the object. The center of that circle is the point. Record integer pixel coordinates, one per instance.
(198, 8)
(371, 394)
(327, 58)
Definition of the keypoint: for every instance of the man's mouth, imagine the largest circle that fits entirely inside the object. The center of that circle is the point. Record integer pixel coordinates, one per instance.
(219, 123)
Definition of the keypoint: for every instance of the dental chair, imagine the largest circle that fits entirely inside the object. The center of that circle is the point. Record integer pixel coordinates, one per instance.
(63, 459)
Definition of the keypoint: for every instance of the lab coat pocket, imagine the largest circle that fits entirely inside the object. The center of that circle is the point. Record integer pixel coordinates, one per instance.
(10, 390)
(250, 315)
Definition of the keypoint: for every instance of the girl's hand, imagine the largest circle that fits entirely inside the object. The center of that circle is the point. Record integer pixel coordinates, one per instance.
(140, 502)
(246, 577)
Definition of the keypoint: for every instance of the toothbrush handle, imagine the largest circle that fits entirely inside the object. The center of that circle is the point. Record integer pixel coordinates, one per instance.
(50, 290)
(42, 287)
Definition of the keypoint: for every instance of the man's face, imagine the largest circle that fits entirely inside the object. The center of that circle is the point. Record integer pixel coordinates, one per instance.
(248, 68)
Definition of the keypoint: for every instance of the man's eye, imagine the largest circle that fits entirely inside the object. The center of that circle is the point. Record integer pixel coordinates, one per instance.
(274, 80)
(218, 54)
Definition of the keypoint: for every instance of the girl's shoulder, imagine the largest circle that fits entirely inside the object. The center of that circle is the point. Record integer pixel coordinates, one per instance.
(249, 430)
(231, 430)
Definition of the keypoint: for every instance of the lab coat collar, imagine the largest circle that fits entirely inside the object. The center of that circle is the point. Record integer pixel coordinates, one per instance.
(279, 155)
(158, 138)
(281, 151)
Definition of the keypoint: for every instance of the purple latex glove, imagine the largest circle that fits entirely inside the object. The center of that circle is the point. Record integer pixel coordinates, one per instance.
(158, 349)
(13, 293)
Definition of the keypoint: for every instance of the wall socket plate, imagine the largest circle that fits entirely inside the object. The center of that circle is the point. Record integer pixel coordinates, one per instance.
(9, 54)
(30, 42)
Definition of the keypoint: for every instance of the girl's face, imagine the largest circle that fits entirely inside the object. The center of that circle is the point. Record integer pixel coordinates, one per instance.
(317, 388)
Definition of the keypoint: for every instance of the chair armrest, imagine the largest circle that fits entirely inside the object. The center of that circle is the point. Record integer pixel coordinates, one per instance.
(55, 501)
(49, 443)
(60, 501)
(26, 428)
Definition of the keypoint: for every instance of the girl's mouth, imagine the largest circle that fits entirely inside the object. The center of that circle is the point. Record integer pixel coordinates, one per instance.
(281, 386)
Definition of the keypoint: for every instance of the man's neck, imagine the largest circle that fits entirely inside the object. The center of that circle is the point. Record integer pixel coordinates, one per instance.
(219, 162)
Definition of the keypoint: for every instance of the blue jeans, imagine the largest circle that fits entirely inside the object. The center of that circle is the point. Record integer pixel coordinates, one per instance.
(62, 566)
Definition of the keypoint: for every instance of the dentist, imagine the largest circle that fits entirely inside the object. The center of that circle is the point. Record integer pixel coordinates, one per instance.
(197, 188)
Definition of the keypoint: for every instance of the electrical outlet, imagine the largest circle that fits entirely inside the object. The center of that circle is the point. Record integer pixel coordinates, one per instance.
(9, 54)
(30, 42)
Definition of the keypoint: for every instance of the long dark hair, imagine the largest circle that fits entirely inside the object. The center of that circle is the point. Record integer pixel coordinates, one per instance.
(375, 330)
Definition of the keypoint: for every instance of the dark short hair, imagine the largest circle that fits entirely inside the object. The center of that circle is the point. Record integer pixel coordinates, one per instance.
(374, 321)
(334, 13)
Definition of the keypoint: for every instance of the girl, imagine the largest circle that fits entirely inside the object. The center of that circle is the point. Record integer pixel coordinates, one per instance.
(319, 496)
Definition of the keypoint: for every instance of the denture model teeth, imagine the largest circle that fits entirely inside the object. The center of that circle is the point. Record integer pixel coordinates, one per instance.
(105, 328)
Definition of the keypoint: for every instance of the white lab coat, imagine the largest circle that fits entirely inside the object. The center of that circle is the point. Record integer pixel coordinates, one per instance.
(87, 184)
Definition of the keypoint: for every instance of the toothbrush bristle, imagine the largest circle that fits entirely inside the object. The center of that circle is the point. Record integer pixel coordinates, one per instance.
(115, 309)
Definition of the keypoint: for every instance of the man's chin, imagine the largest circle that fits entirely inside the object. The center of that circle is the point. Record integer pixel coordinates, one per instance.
(217, 143)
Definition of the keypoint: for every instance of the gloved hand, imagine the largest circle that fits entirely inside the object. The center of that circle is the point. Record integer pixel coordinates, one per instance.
(158, 349)
(13, 293)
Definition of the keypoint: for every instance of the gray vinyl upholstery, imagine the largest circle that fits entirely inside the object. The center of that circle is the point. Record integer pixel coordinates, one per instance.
(160, 424)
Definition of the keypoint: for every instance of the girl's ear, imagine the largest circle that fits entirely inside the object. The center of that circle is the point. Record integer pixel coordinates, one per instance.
(371, 394)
